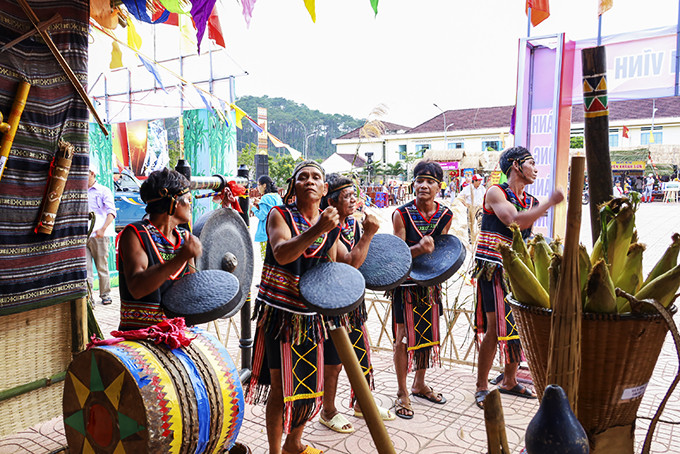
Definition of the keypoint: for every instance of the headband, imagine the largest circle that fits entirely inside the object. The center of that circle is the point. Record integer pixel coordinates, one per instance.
(520, 159)
(341, 187)
(163, 193)
(427, 176)
(290, 191)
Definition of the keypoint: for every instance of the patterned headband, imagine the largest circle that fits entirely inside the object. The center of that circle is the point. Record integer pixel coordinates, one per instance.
(290, 191)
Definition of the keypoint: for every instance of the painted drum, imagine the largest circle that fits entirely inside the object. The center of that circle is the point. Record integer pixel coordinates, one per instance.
(441, 264)
(387, 264)
(332, 288)
(135, 396)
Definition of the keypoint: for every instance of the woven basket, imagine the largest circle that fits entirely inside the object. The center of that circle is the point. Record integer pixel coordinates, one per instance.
(618, 356)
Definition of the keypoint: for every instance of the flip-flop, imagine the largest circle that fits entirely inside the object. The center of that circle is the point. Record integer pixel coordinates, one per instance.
(480, 396)
(337, 423)
(519, 391)
(308, 450)
(400, 405)
(433, 397)
(385, 414)
(497, 379)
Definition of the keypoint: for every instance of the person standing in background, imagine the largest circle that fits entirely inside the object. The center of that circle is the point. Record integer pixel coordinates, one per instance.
(100, 202)
(472, 196)
(260, 208)
(649, 186)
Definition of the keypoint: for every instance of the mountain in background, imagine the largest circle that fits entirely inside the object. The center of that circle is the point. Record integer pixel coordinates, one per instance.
(284, 118)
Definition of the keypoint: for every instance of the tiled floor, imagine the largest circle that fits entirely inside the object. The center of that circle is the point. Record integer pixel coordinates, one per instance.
(457, 426)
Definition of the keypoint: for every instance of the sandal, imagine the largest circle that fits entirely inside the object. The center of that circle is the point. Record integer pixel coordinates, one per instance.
(430, 395)
(308, 450)
(385, 414)
(480, 396)
(400, 406)
(519, 391)
(337, 423)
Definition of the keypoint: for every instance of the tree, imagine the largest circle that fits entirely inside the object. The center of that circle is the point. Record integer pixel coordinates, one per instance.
(246, 156)
(576, 142)
(173, 153)
(396, 170)
(281, 168)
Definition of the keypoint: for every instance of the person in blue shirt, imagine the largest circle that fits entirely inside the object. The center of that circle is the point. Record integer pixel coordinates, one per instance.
(260, 208)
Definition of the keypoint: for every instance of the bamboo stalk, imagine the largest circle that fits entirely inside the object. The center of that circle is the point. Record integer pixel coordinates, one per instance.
(31, 386)
(564, 357)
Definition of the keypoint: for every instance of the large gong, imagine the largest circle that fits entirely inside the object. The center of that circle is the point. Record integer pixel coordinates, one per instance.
(225, 239)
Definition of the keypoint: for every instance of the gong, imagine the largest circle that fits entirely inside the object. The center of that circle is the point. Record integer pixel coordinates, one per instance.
(203, 296)
(332, 288)
(226, 243)
(387, 263)
(441, 264)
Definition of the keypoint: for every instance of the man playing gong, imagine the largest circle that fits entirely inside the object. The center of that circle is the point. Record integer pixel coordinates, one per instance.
(154, 252)
(504, 204)
(288, 352)
(416, 309)
(343, 196)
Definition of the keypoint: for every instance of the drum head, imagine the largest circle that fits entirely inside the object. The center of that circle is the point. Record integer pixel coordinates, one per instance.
(441, 264)
(332, 288)
(223, 231)
(203, 296)
(387, 263)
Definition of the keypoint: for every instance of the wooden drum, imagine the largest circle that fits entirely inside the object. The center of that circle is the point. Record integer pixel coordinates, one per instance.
(135, 396)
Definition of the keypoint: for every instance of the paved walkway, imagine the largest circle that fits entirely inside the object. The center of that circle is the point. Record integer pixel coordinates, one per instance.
(457, 426)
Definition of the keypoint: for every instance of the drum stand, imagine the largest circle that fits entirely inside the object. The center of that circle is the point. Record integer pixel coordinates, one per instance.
(349, 360)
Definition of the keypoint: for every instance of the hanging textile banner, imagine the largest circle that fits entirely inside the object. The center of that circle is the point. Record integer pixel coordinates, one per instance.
(262, 141)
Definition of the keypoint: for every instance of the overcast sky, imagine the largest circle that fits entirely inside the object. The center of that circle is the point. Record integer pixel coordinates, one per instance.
(415, 53)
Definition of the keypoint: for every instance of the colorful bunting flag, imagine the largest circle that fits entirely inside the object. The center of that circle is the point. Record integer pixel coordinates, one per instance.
(248, 6)
(138, 10)
(278, 144)
(175, 6)
(214, 28)
(200, 12)
(151, 67)
(133, 38)
(187, 38)
(540, 10)
(205, 101)
(311, 7)
(239, 115)
(374, 5)
(603, 6)
(625, 132)
(254, 124)
(116, 56)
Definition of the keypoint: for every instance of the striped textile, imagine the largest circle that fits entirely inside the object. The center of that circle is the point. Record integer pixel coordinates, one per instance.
(39, 270)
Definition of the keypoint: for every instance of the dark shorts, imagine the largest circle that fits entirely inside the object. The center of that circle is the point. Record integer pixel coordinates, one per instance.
(330, 353)
(272, 352)
(488, 292)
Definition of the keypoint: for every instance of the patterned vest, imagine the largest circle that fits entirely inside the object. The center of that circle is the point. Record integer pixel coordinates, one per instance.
(280, 284)
(136, 314)
(493, 230)
(350, 233)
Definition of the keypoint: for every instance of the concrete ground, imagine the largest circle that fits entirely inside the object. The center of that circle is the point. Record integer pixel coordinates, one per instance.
(457, 426)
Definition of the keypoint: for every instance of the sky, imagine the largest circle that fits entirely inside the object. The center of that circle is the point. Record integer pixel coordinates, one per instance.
(413, 54)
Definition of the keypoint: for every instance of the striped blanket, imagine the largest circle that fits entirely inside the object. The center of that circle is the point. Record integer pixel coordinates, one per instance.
(36, 269)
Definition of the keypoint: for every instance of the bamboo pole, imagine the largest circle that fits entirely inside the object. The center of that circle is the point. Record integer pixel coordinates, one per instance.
(494, 421)
(79, 324)
(564, 353)
(596, 122)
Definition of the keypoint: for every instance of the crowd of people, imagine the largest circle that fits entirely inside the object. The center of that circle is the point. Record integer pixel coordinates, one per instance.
(295, 366)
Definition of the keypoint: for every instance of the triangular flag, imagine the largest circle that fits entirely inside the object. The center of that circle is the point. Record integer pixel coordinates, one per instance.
(151, 67)
(248, 6)
(175, 6)
(160, 15)
(311, 7)
(133, 38)
(187, 38)
(374, 5)
(651, 135)
(116, 56)
(278, 144)
(604, 6)
(200, 12)
(138, 9)
(540, 10)
(205, 101)
(239, 115)
(254, 124)
(215, 29)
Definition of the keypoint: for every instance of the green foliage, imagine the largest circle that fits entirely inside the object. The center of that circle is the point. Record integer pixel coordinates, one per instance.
(281, 168)
(576, 142)
(284, 121)
(173, 153)
(246, 156)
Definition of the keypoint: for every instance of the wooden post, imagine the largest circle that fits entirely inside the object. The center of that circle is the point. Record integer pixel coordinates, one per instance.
(495, 424)
(79, 324)
(374, 421)
(596, 122)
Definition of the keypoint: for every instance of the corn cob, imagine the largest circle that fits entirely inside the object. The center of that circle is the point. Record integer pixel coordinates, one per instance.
(662, 288)
(554, 275)
(667, 261)
(630, 279)
(600, 296)
(619, 233)
(542, 253)
(525, 286)
(557, 246)
(520, 247)
(584, 266)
